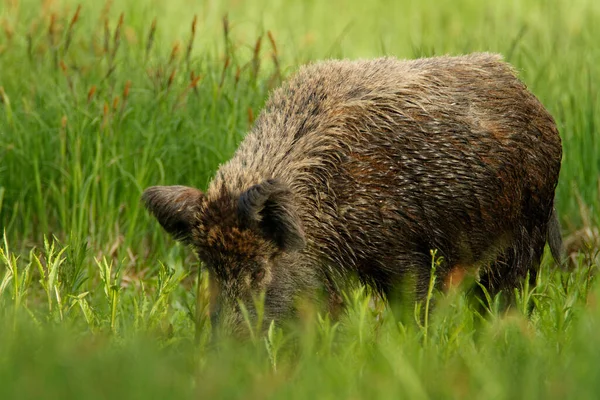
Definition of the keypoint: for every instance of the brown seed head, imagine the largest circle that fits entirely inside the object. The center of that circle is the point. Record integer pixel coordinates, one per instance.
(52, 27)
(126, 90)
(150, 40)
(226, 26)
(174, 52)
(75, 17)
(171, 78)
(194, 24)
(272, 40)
(91, 93)
(250, 116)
(195, 81)
(8, 30)
(257, 47)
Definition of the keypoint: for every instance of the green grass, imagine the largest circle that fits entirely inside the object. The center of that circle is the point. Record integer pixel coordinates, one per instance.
(97, 302)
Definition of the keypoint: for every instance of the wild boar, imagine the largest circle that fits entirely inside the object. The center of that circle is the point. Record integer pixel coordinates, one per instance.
(362, 168)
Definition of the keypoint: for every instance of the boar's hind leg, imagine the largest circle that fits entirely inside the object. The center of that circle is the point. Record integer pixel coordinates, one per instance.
(509, 272)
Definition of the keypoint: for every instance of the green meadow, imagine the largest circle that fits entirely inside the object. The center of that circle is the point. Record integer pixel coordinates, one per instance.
(99, 100)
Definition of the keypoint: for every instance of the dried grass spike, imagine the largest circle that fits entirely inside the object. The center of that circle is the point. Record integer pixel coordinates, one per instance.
(91, 92)
(174, 52)
(238, 72)
(52, 28)
(126, 90)
(272, 40)
(194, 22)
(225, 66)
(256, 57)
(191, 41)
(75, 16)
(106, 37)
(250, 116)
(70, 29)
(106, 10)
(226, 33)
(8, 30)
(194, 82)
(150, 40)
(171, 78)
(117, 38)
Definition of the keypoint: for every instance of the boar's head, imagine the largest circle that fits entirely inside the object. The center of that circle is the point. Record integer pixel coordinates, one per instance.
(250, 242)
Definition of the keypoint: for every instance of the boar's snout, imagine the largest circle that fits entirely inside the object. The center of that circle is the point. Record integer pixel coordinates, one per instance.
(227, 320)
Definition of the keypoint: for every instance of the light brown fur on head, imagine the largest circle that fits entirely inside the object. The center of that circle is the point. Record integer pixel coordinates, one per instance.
(362, 167)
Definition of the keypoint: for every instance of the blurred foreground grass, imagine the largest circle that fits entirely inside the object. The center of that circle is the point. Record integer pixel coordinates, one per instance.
(99, 102)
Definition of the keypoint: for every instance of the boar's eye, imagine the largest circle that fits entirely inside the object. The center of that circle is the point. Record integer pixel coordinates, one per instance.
(258, 275)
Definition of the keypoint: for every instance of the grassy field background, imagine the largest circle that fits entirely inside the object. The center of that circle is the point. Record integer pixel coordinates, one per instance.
(98, 102)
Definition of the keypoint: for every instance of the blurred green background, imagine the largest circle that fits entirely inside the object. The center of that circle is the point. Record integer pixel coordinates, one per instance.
(96, 104)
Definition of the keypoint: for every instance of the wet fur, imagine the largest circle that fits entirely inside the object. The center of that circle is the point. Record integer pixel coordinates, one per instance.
(363, 167)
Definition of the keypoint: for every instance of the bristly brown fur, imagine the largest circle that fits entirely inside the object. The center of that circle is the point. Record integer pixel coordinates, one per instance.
(365, 166)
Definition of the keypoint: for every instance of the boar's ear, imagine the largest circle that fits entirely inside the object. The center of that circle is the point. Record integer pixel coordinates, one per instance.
(174, 207)
(269, 207)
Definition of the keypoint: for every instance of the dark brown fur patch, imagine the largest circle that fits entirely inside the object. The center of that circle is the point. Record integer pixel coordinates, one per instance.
(371, 164)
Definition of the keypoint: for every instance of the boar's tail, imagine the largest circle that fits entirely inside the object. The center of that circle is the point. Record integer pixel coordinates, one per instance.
(554, 238)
